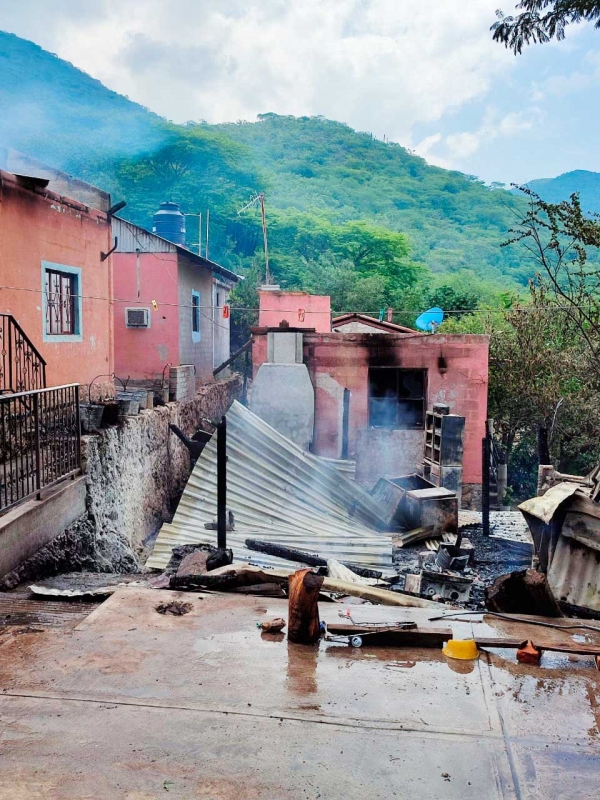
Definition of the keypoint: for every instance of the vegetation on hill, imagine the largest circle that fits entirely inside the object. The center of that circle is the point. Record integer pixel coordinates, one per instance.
(319, 177)
(582, 182)
(368, 222)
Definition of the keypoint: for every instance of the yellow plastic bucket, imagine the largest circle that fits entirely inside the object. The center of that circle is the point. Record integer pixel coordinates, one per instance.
(463, 649)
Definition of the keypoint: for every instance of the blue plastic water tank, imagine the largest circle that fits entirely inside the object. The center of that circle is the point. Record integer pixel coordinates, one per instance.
(169, 223)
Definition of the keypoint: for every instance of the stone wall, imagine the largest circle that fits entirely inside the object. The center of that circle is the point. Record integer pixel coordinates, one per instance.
(135, 473)
(137, 469)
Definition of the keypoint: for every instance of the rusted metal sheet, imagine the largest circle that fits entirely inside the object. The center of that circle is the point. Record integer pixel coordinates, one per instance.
(565, 525)
(279, 493)
(545, 507)
(574, 574)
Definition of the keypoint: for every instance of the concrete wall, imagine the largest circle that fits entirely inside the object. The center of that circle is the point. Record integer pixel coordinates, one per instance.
(138, 280)
(135, 470)
(283, 395)
(221, 329)
(33, 524)
(134, 473)
(199, 352)
(385, 453)
(277, 305)
(35, 226)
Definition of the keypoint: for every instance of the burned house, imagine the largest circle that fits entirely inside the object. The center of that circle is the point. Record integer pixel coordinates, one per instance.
(364, 396)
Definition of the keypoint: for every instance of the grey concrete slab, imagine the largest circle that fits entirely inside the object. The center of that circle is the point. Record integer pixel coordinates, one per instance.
(131, 698)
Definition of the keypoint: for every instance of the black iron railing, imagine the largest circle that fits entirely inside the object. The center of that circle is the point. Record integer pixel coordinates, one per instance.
(22, 369)
(39, 441)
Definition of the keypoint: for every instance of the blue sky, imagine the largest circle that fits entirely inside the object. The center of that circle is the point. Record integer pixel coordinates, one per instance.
(538, 120)
(424, 73)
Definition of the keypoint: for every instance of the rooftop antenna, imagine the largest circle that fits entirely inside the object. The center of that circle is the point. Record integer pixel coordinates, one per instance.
(430, 320)
(259, 199)
(191, 214)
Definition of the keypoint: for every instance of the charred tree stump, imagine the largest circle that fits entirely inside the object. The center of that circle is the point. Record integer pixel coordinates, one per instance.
(523, 592)
(303, 624)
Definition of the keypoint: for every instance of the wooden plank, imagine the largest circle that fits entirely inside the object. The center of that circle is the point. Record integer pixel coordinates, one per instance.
(397, 637)
(575, 648)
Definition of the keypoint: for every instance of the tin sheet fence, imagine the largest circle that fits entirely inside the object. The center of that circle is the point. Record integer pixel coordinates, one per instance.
(39, 441)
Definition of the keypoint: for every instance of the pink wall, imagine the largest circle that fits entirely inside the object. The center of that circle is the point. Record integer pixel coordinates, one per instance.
(142, 353)
(276, 306)
(35, 226)
(340, 361)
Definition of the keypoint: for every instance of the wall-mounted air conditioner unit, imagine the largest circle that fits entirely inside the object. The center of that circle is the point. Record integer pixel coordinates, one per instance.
(137, 317)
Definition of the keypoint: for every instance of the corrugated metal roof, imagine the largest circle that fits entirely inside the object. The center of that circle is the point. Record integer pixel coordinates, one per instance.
(573, 562)
(279, 493)
(131, 238)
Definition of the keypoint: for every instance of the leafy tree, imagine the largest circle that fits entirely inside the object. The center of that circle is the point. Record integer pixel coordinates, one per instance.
(452, 300)
(559, 240)
(542, 20)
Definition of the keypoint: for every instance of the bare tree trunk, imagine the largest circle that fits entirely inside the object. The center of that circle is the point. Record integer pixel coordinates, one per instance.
(523, 592)
(303, 607)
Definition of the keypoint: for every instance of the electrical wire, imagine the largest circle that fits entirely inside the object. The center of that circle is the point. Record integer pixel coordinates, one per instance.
(512, 618)
(306, 311)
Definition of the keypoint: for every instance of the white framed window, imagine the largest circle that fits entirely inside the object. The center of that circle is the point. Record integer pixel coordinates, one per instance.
(196, 326)
(61, 303)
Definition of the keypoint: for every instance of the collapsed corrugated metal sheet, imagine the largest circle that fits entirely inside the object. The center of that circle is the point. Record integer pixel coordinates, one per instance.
(565, 524)
(574, 574)
(345, 468)
(279, 493)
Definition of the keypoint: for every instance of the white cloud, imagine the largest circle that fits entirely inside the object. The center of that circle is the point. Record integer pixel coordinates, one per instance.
(457, 148)
(380, 65)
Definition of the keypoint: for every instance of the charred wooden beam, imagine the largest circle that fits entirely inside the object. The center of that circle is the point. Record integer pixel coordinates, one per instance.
(290, 554)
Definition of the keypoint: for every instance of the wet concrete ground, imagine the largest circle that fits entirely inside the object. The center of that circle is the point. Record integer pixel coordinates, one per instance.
(138, 705)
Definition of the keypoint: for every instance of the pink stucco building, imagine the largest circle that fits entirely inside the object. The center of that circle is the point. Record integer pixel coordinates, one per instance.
(371, 392)
(56, 284)
(168, 307)
(298, 309)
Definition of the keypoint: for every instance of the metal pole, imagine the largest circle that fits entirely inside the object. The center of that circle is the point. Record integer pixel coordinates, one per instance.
(200, 234)
(265, 243)
(485, 485)
(222, 483)
(207, 230)
(38, 455)
(345, 424)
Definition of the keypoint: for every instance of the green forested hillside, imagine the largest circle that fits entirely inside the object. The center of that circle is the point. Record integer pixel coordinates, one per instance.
(453, 221)
(59, 114)
(580, 181)
(367, 221)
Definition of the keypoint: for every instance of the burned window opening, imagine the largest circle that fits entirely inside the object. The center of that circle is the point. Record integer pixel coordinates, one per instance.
(396, 397)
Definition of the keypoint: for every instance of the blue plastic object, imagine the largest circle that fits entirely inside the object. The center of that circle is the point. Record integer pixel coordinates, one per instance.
(169, 223)
(430, 320)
